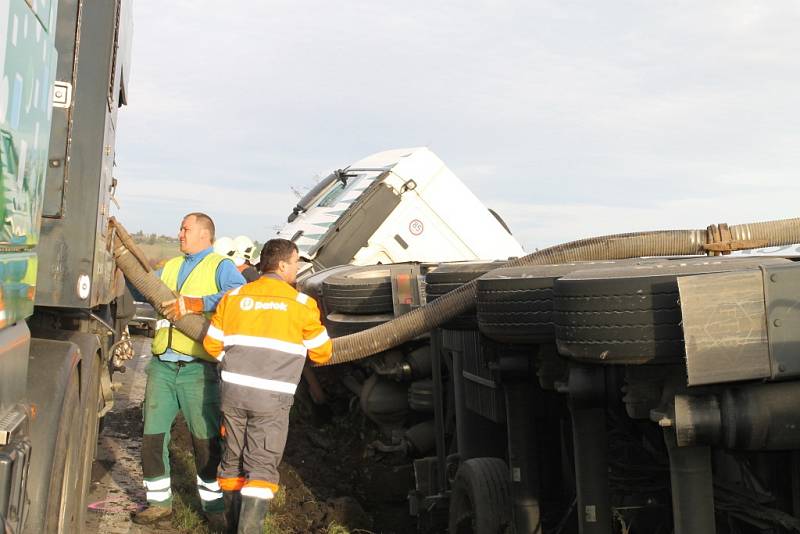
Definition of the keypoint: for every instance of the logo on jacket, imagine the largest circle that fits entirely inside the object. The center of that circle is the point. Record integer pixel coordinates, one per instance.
(248, 304)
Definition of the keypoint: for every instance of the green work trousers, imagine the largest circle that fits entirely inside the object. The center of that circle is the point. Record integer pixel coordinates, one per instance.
(193, 389)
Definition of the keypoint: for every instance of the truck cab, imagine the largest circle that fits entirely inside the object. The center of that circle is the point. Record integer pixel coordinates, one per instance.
(396, 206)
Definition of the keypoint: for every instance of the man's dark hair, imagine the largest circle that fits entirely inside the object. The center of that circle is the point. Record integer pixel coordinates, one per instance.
(204, 221)
(274, 251)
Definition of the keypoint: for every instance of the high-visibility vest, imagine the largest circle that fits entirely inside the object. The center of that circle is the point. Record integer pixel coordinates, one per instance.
(266, 329)
(202, 281)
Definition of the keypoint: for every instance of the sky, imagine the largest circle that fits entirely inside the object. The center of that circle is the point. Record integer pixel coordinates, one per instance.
(571, 119)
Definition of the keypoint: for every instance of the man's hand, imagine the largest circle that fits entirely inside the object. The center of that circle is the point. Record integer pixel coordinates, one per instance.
(176, 308)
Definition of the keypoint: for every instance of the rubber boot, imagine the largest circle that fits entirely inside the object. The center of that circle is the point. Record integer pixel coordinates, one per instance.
(152, 515)
(233, 501)
(252, 514)
(217, 523)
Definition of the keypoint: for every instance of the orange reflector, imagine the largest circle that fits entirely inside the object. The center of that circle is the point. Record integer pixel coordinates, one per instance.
(404, 290)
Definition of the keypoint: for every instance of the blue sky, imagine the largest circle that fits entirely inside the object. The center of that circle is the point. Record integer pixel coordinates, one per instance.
(570, 118)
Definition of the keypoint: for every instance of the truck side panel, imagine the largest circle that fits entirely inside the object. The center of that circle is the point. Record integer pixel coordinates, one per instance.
(76, 265)
(27, 58)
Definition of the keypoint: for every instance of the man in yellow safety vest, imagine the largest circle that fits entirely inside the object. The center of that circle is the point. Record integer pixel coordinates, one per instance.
(183, 377)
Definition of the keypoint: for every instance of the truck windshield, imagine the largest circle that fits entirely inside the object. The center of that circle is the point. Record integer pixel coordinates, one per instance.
(334, 196)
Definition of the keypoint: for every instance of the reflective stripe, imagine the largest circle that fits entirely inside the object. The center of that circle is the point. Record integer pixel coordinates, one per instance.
(258, 383)
(211, 486)
(159, 484)
(159, 496)
(236, 291)
(231, 484)
(215, 333)
(318, 341)
(265, 343)
(258, 493)
(206, 495)
(221, 356)
(302, 298)
(162, 323)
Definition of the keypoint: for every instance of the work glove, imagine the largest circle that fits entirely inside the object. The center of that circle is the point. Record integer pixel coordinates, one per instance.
(176, 308)
(123, 349)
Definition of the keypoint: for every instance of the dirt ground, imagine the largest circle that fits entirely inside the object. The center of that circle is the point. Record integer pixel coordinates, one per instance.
(332, 482)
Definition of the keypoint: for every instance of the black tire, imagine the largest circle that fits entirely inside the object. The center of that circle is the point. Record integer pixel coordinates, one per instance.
(630, 314)
(359, 290)
(449, 276)
(515, 304)
(65, 494)
(310, 282)
(480, 502)
(339, 324)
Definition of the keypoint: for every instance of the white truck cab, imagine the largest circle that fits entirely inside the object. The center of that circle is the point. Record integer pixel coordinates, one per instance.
(396, 206)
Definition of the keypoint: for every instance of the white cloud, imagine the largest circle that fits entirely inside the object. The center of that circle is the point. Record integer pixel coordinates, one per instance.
(537, 226)
(580, 117)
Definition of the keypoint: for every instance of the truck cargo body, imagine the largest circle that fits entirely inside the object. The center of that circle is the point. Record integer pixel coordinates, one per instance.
(657, 395)
(632, 396)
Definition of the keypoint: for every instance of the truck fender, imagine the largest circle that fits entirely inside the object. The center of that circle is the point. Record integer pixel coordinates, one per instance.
(89, 346)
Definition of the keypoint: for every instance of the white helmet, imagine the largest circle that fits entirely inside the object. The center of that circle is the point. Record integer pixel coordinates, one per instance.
(224, 246)
(245, 248)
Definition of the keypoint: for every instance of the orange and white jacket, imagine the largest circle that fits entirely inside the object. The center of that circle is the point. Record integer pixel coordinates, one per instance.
(262, 332)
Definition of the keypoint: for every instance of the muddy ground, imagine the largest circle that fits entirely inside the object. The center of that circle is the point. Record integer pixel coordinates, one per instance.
(332, 482)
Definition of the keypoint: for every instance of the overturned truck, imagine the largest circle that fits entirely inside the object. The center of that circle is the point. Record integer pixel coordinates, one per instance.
(629, 383)
(624, 384)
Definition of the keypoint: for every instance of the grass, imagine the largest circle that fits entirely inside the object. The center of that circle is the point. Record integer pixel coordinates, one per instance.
(186, 502)
(188, 515)
(158, 253)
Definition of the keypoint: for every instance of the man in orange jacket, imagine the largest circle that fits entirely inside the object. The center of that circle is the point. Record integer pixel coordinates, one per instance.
(261, 333)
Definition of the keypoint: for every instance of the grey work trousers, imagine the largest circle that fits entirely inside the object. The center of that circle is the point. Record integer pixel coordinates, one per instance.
(254, 442)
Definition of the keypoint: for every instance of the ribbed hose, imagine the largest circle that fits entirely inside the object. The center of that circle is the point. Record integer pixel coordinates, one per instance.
(151, 286)
(776, 233)
(660, 243)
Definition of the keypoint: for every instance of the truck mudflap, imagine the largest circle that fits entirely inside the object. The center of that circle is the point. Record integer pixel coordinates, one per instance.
(89, 346)
(52, 363)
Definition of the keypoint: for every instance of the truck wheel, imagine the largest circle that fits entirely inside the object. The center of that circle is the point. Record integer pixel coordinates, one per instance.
(449, 276)
(64, 496)
(515, 304)
(480, 502)
(630, 314)
(90, 404)
(339, 324)
(360, 290)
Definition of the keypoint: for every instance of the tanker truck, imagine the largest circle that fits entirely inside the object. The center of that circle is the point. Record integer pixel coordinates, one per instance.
(628, 384)
(65, 67)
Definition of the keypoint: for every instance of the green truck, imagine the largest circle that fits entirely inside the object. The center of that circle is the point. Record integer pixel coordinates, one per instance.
(63, 308)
